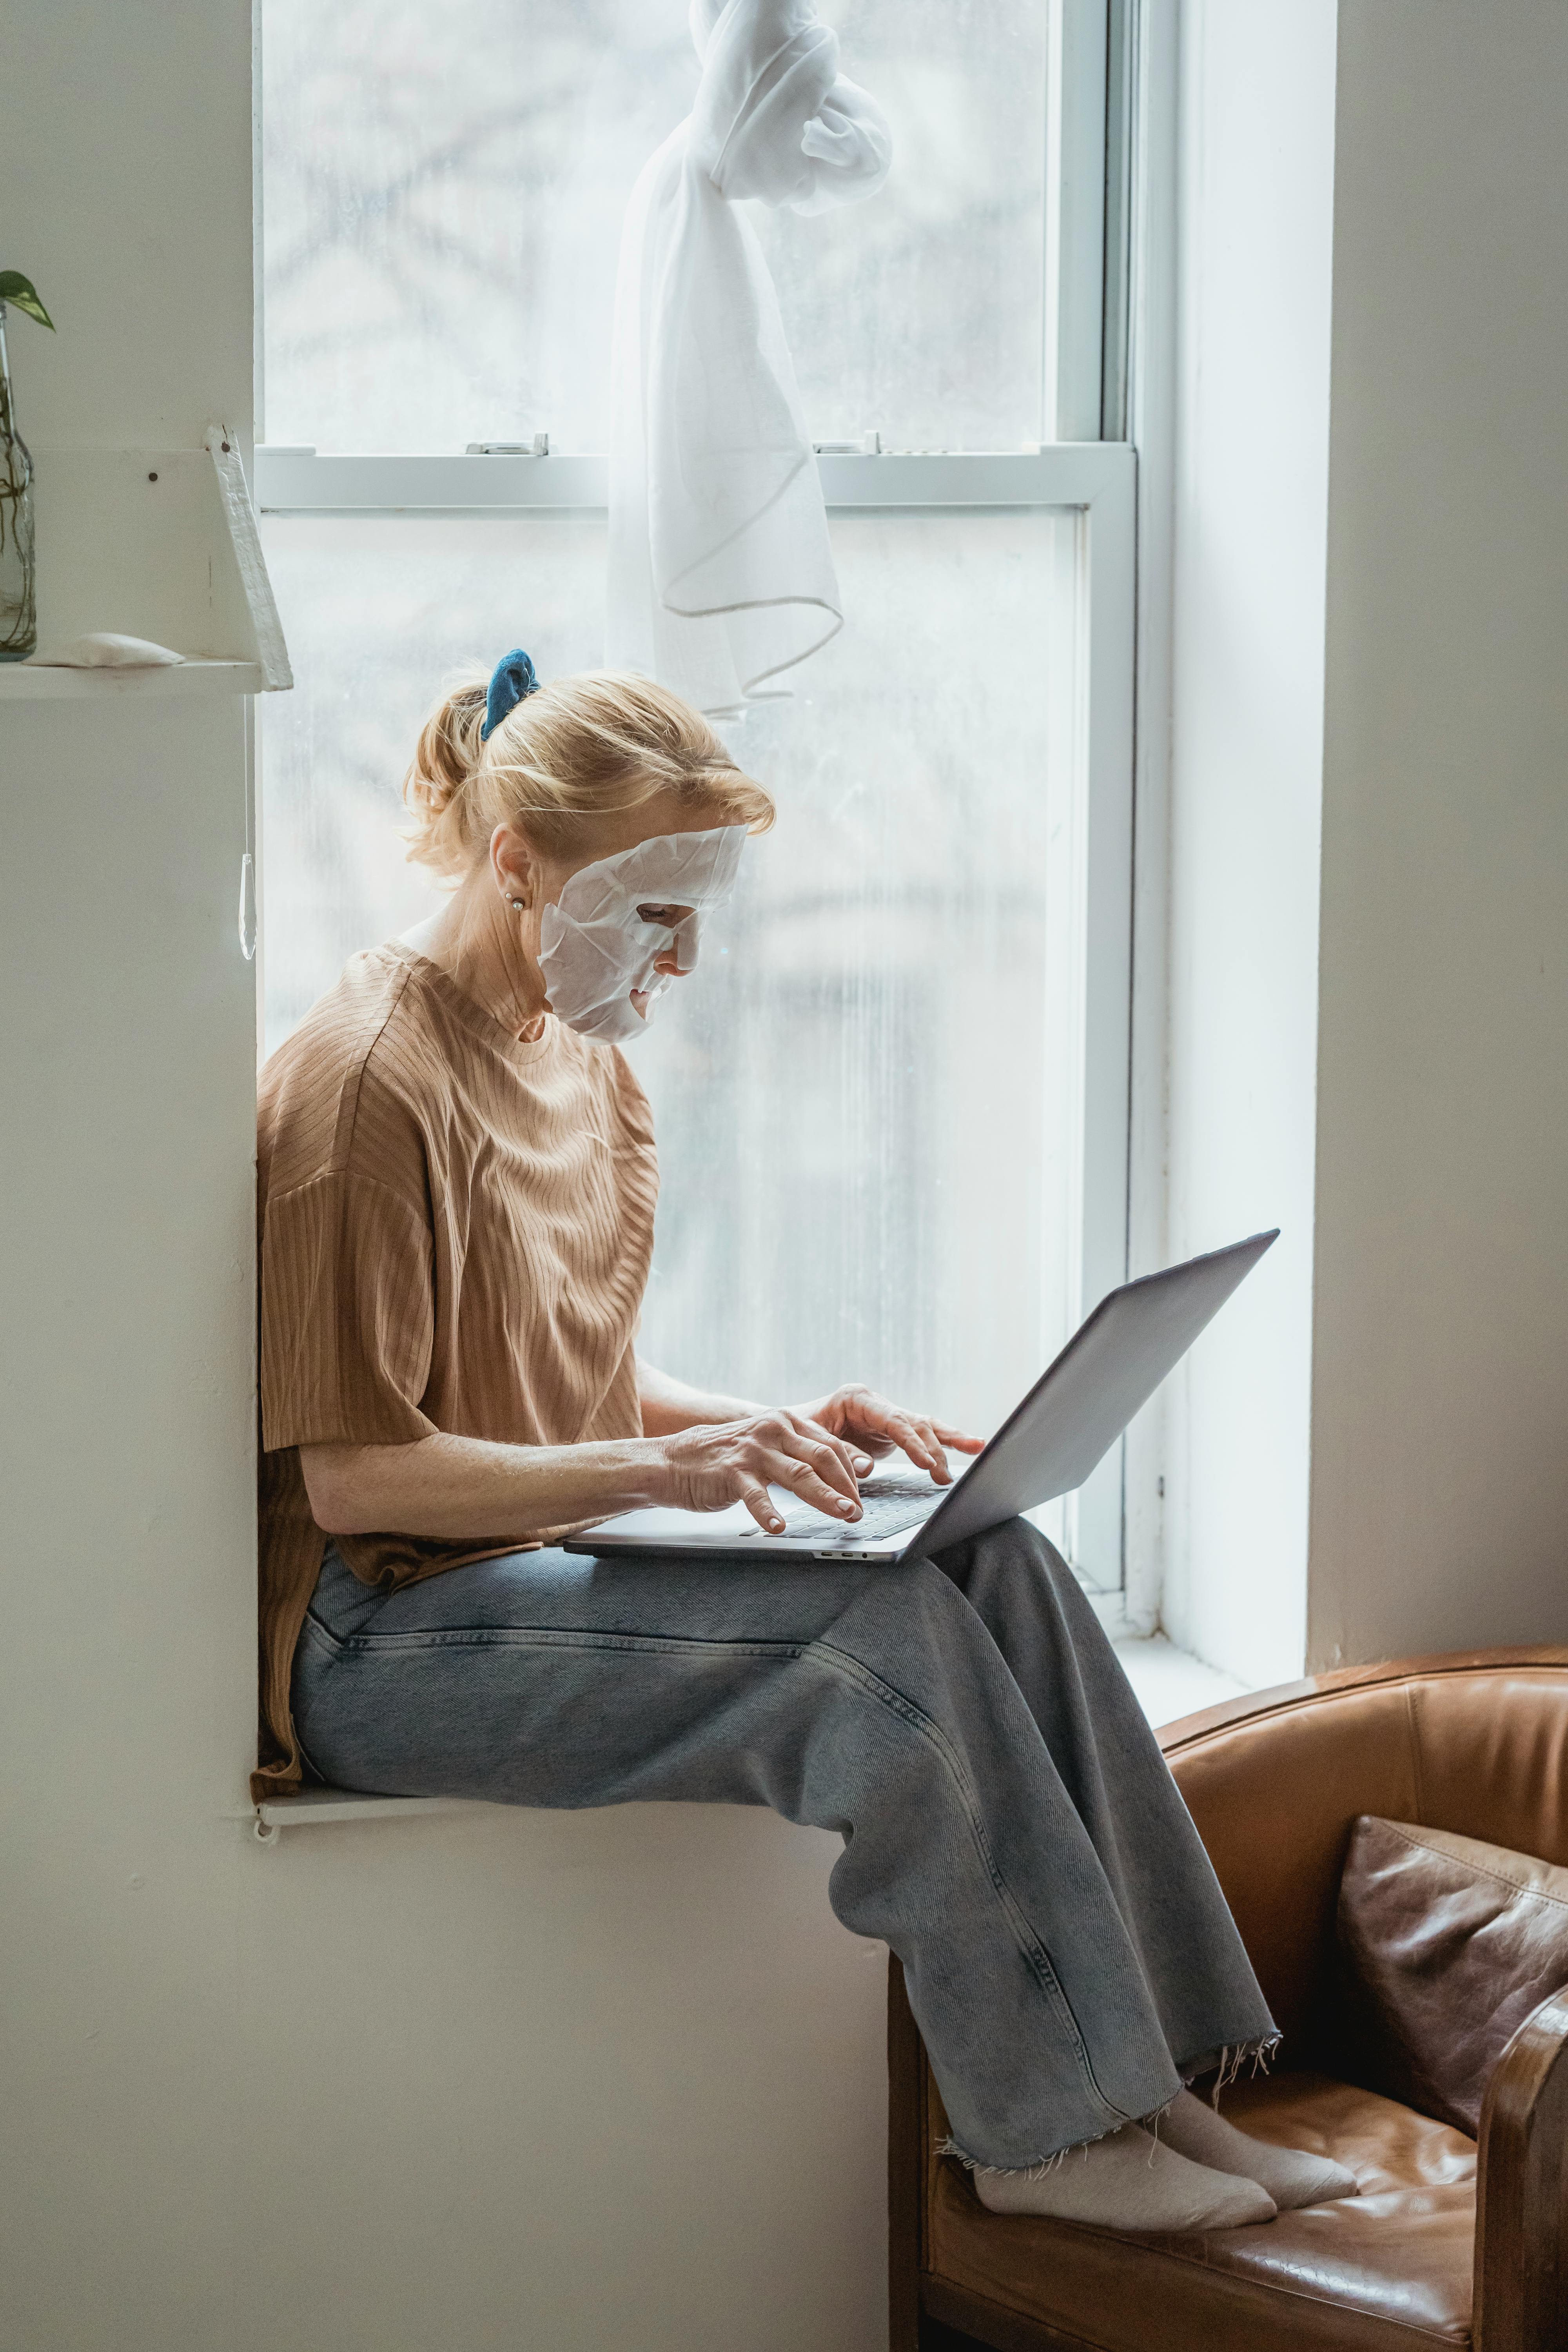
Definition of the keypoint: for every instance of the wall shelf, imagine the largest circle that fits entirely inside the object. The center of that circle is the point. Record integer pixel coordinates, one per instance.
(155, 544)
(20, 683)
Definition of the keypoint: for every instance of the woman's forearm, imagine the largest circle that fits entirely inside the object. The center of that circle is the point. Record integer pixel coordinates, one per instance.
(669, 1404)
(467, 1488)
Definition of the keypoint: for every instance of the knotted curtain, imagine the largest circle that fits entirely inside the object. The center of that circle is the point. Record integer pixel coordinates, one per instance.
(721, 575)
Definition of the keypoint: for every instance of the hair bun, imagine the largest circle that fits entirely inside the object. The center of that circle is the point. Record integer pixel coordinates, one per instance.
(445, 758)
(575, 751)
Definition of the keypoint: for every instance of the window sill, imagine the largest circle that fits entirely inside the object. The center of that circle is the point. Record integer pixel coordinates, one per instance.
(1168, 1683)
(319, 1808)
(298, 481)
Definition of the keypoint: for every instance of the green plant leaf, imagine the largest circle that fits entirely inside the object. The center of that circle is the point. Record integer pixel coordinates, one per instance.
(23, 295)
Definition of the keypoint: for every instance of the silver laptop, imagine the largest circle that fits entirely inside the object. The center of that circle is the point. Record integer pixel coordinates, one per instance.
(1047, 1446)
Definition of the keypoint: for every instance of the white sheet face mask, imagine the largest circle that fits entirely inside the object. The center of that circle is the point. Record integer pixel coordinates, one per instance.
(595, 947)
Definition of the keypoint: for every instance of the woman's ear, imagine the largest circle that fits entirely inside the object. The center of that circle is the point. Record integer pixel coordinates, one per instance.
(515, 866)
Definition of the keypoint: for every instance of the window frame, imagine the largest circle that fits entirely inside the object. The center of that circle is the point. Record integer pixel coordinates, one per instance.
(1102, 374)
(1090, 889)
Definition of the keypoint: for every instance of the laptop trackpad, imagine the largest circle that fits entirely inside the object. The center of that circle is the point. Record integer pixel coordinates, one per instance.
(691, 1527)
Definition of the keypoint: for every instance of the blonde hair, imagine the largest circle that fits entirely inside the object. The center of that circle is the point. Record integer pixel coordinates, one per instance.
(578, 749)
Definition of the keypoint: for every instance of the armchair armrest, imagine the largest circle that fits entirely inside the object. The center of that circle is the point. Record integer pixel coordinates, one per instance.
(1521, 2191)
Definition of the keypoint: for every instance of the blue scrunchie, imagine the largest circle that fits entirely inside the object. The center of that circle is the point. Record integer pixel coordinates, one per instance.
(512, 680)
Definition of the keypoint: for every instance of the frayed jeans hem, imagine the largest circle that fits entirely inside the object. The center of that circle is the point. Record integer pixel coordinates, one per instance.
(1229, 2062)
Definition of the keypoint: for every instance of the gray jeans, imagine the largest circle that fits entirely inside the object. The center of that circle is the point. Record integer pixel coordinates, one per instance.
(1010, 1828)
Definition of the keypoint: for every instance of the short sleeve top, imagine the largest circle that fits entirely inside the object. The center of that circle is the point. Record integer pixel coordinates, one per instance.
(454, 1233)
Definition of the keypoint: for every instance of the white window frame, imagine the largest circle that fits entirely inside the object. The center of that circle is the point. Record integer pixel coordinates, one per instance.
(1089, 884)
(1107, 369)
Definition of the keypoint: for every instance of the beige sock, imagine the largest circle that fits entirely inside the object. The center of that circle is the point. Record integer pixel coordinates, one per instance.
(1292, 2178)
(1128, 2181)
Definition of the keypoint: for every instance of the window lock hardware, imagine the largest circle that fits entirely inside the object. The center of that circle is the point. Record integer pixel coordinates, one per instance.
(247, 907)
(538, 447)
(869, 445)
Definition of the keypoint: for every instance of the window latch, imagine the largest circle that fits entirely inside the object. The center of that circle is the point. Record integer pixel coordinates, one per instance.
(247, 907)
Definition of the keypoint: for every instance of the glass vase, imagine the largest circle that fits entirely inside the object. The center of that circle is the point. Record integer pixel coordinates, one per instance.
(19, 610)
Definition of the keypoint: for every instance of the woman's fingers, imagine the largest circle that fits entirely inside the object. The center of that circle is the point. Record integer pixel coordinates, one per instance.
(917, 1437)
(833, 1457)
(921, 1444)
(815, 1486)
(877, 1424)
(781, 1449)
(793, 1450)
(738, 1461)
(790, 1472)
(763, 1509)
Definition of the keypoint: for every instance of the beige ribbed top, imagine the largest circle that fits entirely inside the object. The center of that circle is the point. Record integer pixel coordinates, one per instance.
(454, 1235)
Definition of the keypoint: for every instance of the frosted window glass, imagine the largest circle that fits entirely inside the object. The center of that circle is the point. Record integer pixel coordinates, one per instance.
(444, 187)
(850, 1092)
(380, 616)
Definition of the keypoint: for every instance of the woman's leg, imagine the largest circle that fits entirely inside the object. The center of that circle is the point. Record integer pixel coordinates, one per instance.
(1160, 1878)
(871, 1700)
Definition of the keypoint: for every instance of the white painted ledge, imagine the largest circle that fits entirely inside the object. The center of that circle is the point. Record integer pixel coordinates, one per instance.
(1168, 1683)
(299, 481)
(21, 682)
(317, 1807)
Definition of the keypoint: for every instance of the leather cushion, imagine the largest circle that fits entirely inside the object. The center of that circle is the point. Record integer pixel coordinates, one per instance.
(1447, 1945)
(1482, 1751)
(1384, 2271)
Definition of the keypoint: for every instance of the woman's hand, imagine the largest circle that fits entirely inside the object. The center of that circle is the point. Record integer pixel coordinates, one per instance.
(712, 1464)
(868, 1424)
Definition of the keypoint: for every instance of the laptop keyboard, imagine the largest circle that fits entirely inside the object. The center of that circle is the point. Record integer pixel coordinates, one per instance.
(887, 1505)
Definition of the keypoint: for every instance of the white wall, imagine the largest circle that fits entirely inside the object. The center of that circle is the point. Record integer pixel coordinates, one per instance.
(610, 2081)
(1369, 627)
(1254, 244)
(129, 205)
(126, 1266)
(1440, 1393)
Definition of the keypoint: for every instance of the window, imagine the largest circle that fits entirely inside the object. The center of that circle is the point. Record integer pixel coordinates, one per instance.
(892, 1112)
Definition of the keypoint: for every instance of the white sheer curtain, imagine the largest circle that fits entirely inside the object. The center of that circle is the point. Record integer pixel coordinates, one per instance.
(721, 574)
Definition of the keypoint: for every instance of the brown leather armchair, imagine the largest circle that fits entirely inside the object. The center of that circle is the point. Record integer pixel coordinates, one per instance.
(1447, 2243)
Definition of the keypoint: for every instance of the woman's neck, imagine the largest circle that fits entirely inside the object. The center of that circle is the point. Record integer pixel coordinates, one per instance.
(490, 949)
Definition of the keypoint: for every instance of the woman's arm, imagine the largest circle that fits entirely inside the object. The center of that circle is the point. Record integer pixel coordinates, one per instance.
(669, 1404)
(467, 1488)
(698, 1452)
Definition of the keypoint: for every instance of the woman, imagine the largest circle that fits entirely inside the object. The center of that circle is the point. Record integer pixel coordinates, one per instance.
(458, 1182)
